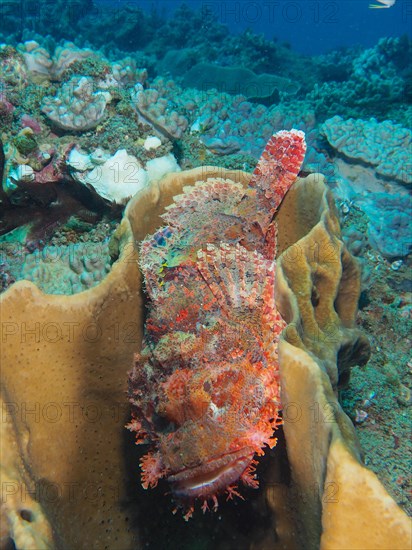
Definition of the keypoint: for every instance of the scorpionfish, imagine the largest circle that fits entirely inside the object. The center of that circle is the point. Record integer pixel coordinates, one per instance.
(204, 390)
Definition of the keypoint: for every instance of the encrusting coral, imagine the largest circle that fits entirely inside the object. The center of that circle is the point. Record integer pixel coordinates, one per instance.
(78, 106)
(81, 453)
(384, 145)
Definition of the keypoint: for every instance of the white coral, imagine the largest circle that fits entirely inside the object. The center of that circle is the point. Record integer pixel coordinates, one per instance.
(116, 179)
(77, 106)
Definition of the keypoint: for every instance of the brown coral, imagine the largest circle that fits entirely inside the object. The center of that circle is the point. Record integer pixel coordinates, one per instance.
(87, 370)
(337, 502)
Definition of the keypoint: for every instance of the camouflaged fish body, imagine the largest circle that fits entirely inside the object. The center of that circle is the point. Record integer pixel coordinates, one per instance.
(205, 389)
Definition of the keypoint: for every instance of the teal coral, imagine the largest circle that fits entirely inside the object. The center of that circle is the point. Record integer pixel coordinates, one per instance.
(384, 145)
(66, 269)
(362, 83)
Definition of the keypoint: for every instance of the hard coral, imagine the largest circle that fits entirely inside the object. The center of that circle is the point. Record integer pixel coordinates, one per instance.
(384, 145)
(113, 178)
(337, 502)
(78, 106)
(37, 59)
(158, 112)
(91, 373)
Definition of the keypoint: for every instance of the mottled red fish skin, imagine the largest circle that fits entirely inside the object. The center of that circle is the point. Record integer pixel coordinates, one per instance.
(204, 390)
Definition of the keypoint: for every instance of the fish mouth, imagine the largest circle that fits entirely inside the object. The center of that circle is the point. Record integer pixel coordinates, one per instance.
(212, 477)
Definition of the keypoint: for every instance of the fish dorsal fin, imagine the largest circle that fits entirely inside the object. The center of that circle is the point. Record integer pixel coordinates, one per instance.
(204, 203)
(203, 212)
(243, 283)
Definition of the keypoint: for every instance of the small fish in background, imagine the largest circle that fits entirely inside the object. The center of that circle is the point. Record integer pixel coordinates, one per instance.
(385, 4)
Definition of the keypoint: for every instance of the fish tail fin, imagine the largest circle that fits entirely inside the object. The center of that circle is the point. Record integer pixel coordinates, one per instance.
(278, 168)
(275, 172)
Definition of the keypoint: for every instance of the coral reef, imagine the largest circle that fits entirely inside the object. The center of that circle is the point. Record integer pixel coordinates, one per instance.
(91, 372)
(66, 269)
(386, 204)
(78, 106)
(74, 258)
(211, 126)
(384, 145)
(55, 231)
(39, 162)
(364, 83)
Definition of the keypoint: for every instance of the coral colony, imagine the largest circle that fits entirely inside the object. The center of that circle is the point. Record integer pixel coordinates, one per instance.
(205, 389)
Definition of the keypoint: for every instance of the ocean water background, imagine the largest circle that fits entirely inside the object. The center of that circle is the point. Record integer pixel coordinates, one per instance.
(310, 26)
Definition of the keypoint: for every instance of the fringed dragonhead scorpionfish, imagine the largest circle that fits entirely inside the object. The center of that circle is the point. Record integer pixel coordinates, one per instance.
(205, 388)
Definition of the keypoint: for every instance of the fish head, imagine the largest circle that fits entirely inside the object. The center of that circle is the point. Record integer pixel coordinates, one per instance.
(223, 415)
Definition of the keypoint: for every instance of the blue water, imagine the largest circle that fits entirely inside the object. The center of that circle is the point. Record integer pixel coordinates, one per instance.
(309, 26)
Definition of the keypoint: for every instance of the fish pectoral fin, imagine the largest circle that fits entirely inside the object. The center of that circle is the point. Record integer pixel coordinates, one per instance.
(236, 276)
